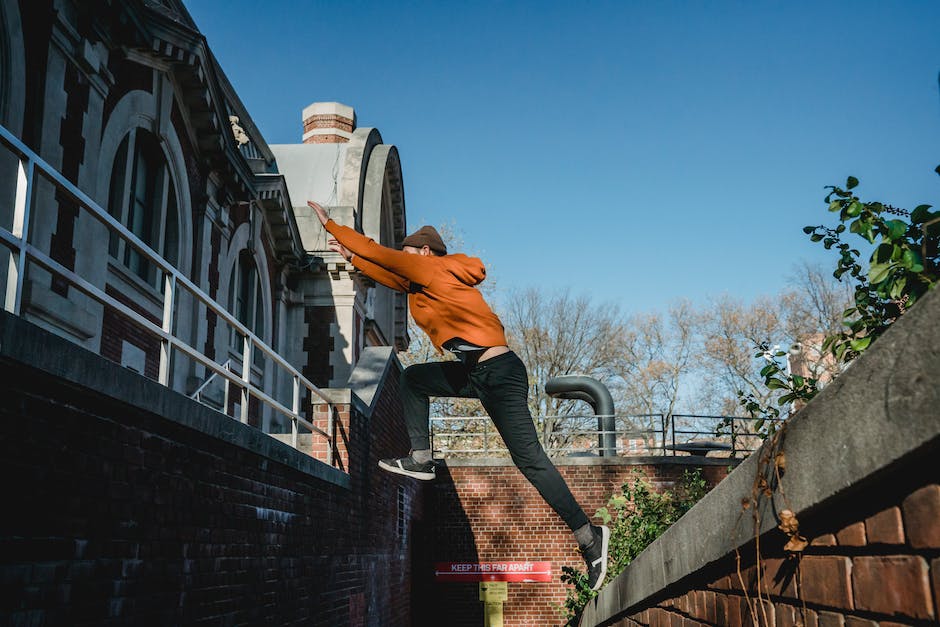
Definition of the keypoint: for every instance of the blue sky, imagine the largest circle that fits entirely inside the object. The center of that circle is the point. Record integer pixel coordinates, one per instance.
(638, 152)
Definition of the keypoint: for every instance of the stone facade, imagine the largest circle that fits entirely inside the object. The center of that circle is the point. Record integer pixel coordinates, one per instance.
(126, 101)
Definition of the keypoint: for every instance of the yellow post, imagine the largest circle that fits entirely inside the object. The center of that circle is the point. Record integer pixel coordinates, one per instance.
(493, 593)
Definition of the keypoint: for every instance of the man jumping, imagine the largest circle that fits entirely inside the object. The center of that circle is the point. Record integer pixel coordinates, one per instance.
(445, 303)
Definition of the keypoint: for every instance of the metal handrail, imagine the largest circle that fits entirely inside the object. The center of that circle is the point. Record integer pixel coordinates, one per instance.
(202, 386)
(658, 438)
(17, 240)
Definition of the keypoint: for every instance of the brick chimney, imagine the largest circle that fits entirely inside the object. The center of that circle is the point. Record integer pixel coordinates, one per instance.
(328, 123)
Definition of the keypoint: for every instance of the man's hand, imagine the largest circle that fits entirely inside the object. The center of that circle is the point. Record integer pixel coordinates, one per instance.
(336, 247)
(320, 211)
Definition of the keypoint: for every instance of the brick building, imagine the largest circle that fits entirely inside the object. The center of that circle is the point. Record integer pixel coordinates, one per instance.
(128, 103)
(143, 506)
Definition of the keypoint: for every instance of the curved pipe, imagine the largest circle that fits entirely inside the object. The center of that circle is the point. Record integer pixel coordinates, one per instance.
(589, 389)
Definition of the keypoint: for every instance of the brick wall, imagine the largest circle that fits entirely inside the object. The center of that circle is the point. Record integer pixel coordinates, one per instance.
(116, 328)
(113, 514)
(873, 559)
(318, 343)
(329, 121)
(492, 513)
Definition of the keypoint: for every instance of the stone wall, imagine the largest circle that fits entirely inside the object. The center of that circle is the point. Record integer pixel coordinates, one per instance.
(860, 475)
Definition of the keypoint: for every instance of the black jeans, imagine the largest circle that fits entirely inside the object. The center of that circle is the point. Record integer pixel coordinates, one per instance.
(501, 384)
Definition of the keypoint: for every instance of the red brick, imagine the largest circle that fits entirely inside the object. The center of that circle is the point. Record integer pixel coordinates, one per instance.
(935, 576)
(921, 513)
(824, 540)
(696, 607)
(764, 611)
(830, 619)
(722, 612)
(885, 527)
(810, 618)
(748, 576)
(682, 603)
(710, 602)
(721, 584)
(826, 580)
(893, 585)
(786, 615)
(658, 617)
(729, 610)
(854, 621)
(779, 577)
(852, 535)
(735, 609)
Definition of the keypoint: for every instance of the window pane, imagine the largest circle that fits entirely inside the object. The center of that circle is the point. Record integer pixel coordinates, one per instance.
(245, 266)
(149, 205)
(171, 235)
(116, 194)
(259, 309)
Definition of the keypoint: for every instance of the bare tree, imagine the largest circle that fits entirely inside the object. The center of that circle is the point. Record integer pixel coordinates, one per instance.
(815, 301)
(558, 334)
(812, 310)
(655, 356)
(731, 330)
(796, 321)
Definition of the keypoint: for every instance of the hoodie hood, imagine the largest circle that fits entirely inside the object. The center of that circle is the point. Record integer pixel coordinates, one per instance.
(468, 270)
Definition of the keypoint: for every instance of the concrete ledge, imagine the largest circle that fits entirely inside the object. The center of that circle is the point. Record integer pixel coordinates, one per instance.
(883, 410)
(25, 345)
(368, 377)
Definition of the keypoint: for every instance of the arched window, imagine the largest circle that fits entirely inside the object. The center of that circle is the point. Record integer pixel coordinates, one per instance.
(143, 198)
(246, 300)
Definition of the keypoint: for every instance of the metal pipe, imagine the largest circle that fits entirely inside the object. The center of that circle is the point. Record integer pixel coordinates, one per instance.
(592, 391)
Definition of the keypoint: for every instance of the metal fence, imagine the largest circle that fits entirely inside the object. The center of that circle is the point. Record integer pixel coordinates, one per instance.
(578, 435)
(24, 254)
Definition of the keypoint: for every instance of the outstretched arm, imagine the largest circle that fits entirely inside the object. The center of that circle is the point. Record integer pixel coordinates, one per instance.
(371, 270)
(413, 268)
(380, 274)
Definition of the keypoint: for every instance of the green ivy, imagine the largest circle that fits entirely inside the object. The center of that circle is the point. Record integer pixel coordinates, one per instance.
(636, 517)
(904, 265)
(793, 388)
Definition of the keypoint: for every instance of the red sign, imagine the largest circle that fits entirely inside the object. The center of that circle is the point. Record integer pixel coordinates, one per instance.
(493, 571)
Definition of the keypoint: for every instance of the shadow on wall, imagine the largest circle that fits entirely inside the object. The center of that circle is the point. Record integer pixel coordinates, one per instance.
(446, 535)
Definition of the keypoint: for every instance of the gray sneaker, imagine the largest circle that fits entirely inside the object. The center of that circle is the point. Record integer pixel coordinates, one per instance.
(409, 467)
(595, 556)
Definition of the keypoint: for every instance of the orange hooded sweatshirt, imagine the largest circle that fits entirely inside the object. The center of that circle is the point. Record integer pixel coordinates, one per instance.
(441, 292)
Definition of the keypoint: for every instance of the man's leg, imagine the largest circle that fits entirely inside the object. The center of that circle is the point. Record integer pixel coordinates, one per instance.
(501, 383)
(420, 381)
(502, 386)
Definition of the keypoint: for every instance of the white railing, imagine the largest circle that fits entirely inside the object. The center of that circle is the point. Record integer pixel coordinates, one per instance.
(18, 241)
